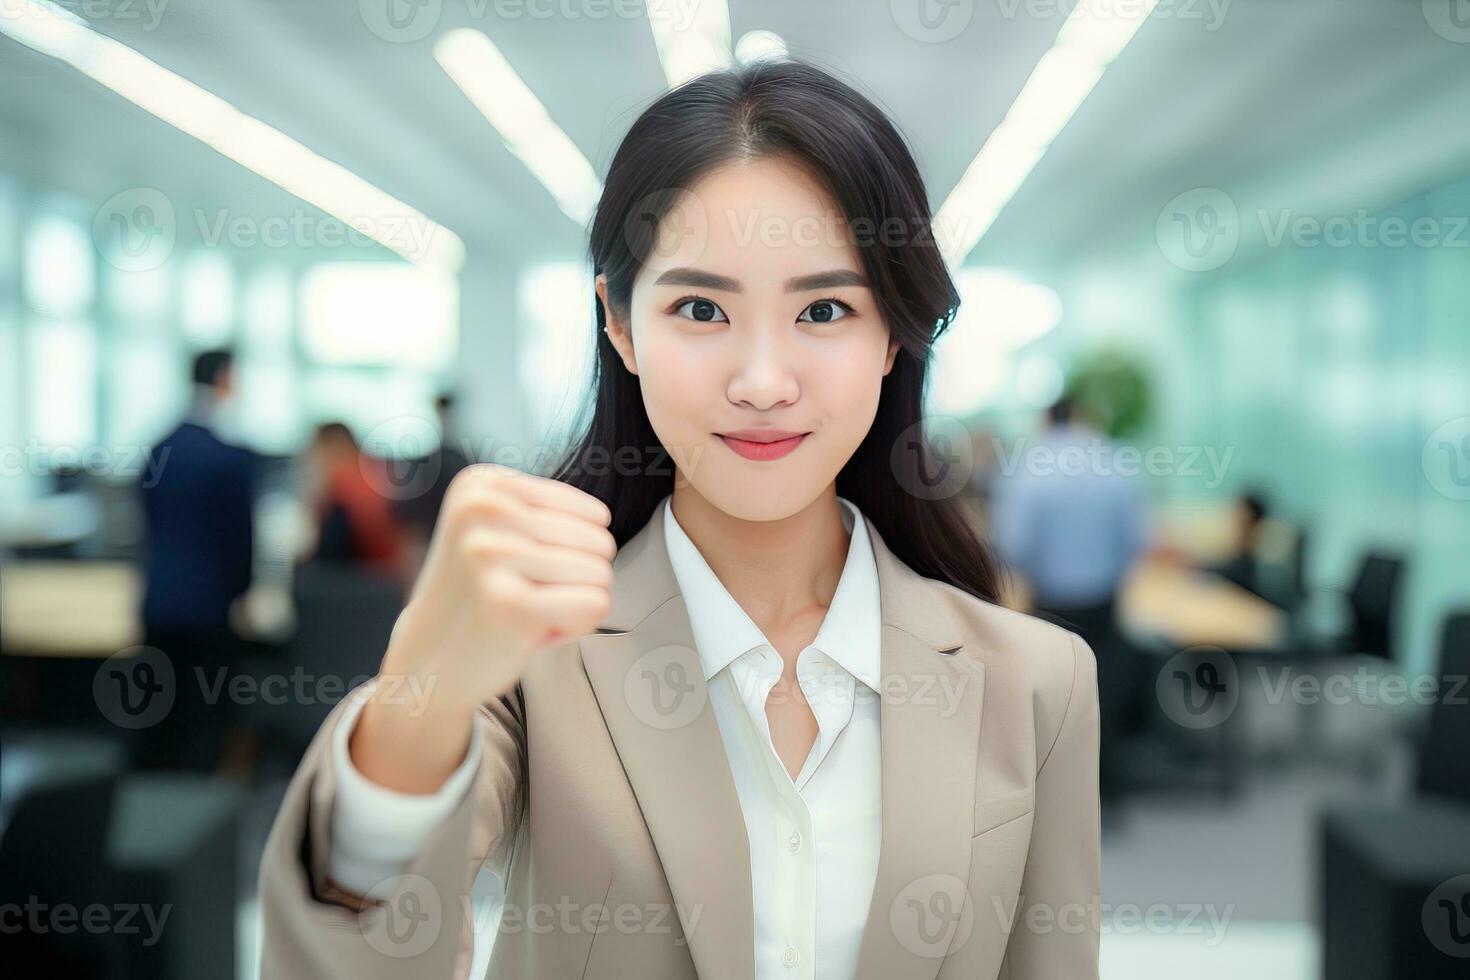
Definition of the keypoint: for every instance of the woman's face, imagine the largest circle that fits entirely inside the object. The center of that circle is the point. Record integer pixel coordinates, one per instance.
(752, 317)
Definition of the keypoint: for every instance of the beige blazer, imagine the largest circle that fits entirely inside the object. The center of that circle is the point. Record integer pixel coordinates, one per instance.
(605, 800)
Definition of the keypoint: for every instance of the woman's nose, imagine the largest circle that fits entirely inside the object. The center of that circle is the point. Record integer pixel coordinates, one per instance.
(762, 376)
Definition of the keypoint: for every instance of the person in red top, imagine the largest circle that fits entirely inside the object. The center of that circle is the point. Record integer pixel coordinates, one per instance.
(354, 514)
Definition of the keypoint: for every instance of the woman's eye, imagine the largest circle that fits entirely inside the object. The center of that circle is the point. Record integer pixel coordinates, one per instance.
(824, 311)
(701, 310)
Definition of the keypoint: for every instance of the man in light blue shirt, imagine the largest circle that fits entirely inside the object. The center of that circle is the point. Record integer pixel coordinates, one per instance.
(1067, 515)
(1072, 519)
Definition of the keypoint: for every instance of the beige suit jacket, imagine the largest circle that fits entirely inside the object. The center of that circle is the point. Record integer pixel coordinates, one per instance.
(604, 799)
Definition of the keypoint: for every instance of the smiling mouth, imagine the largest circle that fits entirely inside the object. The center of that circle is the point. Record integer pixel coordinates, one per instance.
(763, 450)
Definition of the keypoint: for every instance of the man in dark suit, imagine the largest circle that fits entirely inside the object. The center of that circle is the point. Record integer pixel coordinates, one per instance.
(198, 506)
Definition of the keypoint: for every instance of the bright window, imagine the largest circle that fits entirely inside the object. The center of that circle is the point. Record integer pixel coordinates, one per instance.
(60, 267)
(379, 313)
(554, 344)
(63, 379)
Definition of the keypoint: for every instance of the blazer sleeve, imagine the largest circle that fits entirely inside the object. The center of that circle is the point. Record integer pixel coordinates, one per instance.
(418, 923)
(1056, 929)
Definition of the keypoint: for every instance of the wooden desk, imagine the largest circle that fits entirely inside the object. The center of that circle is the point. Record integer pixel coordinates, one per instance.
(69, 608)
(1180, 607)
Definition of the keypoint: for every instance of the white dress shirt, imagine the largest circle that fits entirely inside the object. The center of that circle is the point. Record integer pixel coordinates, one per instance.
(814, 841)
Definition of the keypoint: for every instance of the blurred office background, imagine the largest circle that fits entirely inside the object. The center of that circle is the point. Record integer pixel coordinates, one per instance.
(1215, 259)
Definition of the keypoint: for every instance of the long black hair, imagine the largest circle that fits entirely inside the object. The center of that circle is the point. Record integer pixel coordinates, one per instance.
(802, 113)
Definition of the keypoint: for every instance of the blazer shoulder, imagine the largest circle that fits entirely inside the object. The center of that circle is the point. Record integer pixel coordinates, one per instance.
(1046, 659)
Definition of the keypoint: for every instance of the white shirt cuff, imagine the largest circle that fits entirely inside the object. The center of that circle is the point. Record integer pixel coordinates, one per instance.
(376, 831)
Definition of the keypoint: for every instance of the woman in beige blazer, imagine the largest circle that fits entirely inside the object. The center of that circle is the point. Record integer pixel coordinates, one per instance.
(728, 694)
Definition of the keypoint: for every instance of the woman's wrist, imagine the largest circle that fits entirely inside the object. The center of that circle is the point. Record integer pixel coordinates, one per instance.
(411, 744)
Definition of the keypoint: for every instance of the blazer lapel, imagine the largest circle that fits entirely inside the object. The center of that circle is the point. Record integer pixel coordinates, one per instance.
(646, 675)
(929, 714)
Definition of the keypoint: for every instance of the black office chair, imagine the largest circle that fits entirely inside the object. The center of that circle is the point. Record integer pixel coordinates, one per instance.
(344, 619)
(1374, 603)
(1360, 639)
(1387, 872)
(53, 859)
(1329, 622)
(1444, 755)
(1296, 568)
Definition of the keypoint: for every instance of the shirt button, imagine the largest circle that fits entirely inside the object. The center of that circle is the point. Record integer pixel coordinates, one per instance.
(795, 842)
(790, 957)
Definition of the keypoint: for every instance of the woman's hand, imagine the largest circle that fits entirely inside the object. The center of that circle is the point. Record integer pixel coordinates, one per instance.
(516, 563)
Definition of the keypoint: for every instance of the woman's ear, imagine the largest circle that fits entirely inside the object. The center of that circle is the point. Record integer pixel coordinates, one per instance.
(617, 330)
(893, 346)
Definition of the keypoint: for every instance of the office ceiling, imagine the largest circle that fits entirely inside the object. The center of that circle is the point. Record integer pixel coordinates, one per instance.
(1290, 96)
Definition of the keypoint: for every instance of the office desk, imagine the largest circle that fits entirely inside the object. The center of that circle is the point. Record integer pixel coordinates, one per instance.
(58, 621)
(69, 608)
(1171, 605)
(1170, 610)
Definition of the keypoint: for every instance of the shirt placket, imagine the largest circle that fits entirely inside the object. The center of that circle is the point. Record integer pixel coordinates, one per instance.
(829, 693)
(795, 887)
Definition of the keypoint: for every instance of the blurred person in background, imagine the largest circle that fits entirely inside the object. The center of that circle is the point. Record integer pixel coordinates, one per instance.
(350, 497)
(419, 511)
(1241, 566)
(198, 514)
(1072, 524)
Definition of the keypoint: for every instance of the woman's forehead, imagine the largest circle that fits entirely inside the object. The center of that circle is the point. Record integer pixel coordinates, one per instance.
(755, 224)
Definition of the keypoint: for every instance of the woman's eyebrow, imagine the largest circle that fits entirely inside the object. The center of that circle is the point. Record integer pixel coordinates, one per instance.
(686, 276)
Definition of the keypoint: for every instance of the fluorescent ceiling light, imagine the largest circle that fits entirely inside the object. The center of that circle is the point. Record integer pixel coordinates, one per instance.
(1103, 27)
(476, 65)
(759, 46)
(1058, 84)
(49, 29)
(691, 38)
(1093, 35)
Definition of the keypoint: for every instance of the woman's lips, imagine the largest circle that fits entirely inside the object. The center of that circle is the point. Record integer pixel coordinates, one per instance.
(763, 450)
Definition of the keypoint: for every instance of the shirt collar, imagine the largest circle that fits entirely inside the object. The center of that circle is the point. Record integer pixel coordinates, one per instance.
(723, 631)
